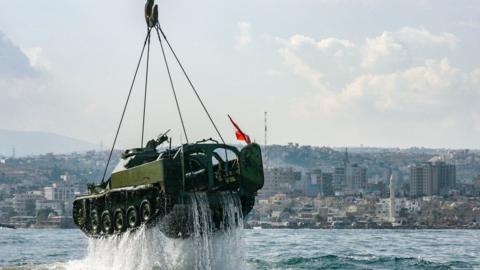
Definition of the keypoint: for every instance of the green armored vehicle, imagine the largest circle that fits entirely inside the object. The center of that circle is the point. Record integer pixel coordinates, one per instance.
(149, 187)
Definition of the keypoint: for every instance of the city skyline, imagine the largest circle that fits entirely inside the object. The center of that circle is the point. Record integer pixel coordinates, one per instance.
(324, 192)
(334, 73)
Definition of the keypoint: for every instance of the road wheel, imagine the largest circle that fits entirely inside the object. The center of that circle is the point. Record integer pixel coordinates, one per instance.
(79, 215)
(94, 221)
(106, 222)
(119, 220)
(132, 217)
(145, 211)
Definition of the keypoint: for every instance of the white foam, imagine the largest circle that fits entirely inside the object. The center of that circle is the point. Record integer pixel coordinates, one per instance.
(149, 248)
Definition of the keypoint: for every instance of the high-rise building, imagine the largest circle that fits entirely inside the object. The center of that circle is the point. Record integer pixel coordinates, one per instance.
(24, 204)
(446, 175)
(338, 182)
(279, 180)
(356, 178)
(319, 183)
(62, 191)
(432, 178)
(420, 184)
(350, 178)
(326, 188)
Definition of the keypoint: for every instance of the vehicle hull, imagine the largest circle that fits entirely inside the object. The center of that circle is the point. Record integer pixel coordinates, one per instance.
(117, 211)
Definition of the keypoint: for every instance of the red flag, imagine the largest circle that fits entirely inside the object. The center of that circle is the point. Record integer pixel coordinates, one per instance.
(239, 133)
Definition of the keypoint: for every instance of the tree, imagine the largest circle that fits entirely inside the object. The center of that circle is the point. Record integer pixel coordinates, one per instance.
(42, 214)
(30, 207)
(403, 213)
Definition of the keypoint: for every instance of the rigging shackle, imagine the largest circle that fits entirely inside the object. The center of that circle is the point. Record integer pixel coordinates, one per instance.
(151, 13)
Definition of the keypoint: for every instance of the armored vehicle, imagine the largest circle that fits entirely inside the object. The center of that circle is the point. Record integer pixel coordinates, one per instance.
(150, 186)
(154, 184)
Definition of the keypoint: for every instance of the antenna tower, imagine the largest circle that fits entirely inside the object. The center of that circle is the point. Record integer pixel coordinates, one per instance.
(265, 129)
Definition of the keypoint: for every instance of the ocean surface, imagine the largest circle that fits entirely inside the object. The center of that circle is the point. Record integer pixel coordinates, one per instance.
(243, 249)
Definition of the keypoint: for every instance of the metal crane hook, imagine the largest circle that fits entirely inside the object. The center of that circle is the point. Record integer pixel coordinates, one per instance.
(151, 13)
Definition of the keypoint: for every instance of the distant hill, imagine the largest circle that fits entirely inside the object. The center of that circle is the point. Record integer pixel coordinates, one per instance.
(28, 143)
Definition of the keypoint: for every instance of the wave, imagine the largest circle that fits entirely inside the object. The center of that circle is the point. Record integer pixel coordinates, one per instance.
(177, 258)
(358, 262)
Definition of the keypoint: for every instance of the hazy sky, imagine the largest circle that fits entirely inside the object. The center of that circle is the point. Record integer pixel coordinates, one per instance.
(377, 73)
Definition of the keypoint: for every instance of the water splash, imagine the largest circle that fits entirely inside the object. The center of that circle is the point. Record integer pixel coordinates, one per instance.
(202, 231)
(149, 248)
(230, 237)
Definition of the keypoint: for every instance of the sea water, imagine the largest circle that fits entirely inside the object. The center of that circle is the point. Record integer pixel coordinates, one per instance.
(236, 248)
(148, 248)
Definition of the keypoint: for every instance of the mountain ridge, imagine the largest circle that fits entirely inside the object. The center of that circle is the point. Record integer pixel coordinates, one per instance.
(28, 143)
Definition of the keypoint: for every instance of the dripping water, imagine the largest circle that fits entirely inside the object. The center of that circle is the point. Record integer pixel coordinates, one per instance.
(222, 249)
(202, 230)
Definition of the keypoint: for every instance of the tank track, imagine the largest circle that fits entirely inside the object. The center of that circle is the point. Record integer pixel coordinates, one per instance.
(120, 210)
(117, 211)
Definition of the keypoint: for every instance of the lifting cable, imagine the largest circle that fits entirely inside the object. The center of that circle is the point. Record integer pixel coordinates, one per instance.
(160, 33)
(189, 81)
(171, 84)
(126, 104)
(146, 86)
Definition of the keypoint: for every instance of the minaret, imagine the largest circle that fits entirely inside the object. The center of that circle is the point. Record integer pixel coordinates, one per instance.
(345, 158)
(346, 173)
(265, 156)
(392, 198)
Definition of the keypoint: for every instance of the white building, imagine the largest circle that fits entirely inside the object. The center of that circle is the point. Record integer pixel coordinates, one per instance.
(279, 180)
(382, 208)
(57, 206)
(22, 202)
(63, 191)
